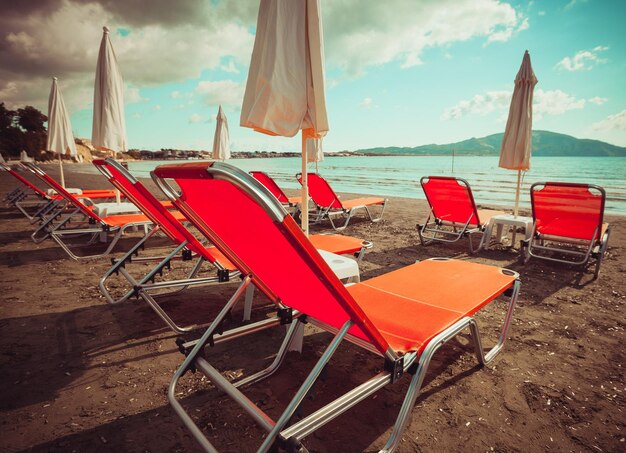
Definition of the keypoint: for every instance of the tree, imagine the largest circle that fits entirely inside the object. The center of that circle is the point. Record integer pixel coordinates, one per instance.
(22, 130)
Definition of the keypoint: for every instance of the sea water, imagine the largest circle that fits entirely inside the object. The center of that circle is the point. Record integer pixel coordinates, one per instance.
(399, 176)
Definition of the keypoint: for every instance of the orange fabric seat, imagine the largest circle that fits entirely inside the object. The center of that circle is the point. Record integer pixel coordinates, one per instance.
(409, 315)
(369, 201)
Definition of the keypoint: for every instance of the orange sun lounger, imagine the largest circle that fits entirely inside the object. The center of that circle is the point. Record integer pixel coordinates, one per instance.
(84, 222)
(329, 205)
(453, 213)
(403, 316)
(568, 224)
(187, 247)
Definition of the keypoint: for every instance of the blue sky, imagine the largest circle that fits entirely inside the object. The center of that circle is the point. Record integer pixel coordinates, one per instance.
(399, 73)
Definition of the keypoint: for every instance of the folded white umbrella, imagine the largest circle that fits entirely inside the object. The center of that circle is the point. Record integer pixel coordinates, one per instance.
(517, 140)
(285, 88)
(109, 127)
(221, 139)
(60, 138)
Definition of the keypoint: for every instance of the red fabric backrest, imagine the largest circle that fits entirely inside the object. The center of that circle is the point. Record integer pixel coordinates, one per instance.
(320, 191)
(567, 209)
(252, 229)
(24, 181)
(153, 209)
(48, 180)
(271, 185)
(450, 199)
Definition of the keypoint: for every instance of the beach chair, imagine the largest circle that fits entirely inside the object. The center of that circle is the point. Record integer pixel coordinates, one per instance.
(187, 247)
(34, 203)
(403, 316)
(568, 224)
(275, 189)
(329, 205)
(74, 219)
(453, 213)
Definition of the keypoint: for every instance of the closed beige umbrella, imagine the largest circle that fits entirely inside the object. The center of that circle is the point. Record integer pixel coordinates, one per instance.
(60, 138)
(109, 126)
(221, 139)
(285, 88)
(517, 140)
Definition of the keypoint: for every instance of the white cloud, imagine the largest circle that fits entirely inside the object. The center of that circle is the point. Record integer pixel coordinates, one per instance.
(157, 107)
(551, 102)
(611, 122)
(480, 104)
(554, 102)
(225, 92)
(197, 118)
(132, 95)
(597, 100)
(359, 34)
(366, 103)
(583, 60)
(154, 45)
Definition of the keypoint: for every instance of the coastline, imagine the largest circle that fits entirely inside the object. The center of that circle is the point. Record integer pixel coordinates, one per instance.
(83, 375)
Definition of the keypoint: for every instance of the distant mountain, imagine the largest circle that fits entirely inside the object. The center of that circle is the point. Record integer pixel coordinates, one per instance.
(545, 143)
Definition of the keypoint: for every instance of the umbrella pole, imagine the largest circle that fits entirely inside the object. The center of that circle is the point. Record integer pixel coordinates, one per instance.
(61, 170)
(304, 204)
(515, 210)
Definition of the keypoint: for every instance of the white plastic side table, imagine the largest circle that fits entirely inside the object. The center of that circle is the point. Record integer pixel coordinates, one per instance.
(499, 221)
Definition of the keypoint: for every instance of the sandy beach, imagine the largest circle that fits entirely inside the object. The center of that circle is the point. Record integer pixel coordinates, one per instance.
(81, 375)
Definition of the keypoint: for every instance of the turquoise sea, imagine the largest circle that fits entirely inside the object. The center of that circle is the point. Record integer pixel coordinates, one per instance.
(399, 175)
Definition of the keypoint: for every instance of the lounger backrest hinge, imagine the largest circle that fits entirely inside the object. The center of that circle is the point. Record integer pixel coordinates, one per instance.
(187, 255)
(395, 368)
(285, 315)
(223, 275)
(180, 342)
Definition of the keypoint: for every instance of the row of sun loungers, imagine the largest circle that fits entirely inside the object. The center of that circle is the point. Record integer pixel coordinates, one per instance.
(237, 224)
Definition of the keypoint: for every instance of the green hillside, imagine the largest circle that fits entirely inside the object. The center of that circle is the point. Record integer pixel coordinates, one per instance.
(545, 143)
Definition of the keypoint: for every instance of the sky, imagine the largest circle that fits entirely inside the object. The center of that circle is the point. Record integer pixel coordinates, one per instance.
(398, 72)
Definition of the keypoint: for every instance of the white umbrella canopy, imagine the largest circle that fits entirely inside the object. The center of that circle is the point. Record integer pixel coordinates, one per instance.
(60, 137)
(221, 139)
(517, 140)
(285, 90)
(109, 126)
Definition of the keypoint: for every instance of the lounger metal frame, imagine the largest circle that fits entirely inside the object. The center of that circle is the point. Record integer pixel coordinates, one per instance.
(329, 212)
(290, 437)
(146, 286)
(543, 246)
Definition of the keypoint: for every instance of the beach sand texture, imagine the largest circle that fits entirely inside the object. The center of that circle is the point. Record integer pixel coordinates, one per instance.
(81, 375)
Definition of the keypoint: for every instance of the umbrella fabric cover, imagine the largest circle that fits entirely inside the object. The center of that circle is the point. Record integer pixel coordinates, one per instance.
(314, 150)
(285, 88)
(109, 127)
(60, 137)
(516, 143)
(221, 140)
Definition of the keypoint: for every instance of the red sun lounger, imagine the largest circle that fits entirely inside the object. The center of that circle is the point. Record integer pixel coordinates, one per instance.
(187, 247)
(403, 316)
(568, 224)
(84, 222)
(453, 213)
(329, 205)
(21, 198)
(271, 185)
